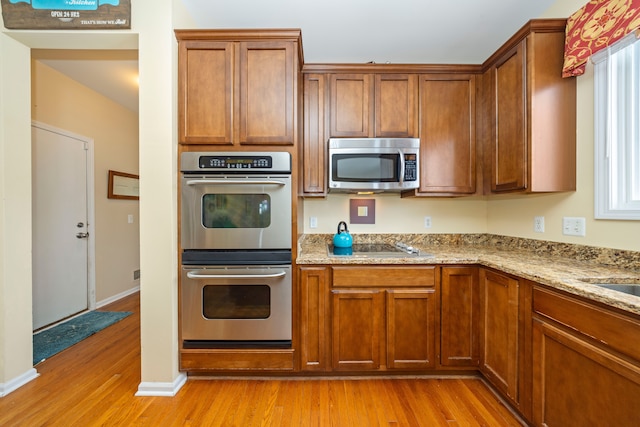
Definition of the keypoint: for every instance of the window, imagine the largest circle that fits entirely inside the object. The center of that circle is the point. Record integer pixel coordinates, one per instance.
(617, 130)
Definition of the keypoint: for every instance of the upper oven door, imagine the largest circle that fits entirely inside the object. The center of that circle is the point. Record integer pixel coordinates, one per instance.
(236, 212)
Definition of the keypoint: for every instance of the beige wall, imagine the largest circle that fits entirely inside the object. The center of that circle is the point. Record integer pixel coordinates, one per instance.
(63, 103)
(396, 215)
(15, 215)
(510, 215)
(513, 215)
(152, 34)
(153, 23)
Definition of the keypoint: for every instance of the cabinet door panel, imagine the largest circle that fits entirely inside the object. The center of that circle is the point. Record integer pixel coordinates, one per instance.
(577, 383)
(509, 162)
(313, 326)
(266, 93)
(205, 112)
(396, 105)
(500, 331)
(314, 142)
(411, 329)
(356, 320)
(351, 112)
(460, 311)
(447, 134)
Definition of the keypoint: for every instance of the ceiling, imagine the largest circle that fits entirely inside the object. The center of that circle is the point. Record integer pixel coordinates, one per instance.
(333, 31)
(112, 73)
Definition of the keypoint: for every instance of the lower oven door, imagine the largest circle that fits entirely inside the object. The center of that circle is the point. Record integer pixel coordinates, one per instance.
(236, 304)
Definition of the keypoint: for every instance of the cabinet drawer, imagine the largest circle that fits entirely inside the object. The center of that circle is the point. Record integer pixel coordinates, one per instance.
(618, 332)
(383, 276)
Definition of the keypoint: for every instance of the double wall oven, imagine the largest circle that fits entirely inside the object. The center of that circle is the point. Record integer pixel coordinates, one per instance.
(235, 233)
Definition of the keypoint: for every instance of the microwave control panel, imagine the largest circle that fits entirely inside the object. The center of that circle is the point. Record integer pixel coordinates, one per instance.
(410, 167)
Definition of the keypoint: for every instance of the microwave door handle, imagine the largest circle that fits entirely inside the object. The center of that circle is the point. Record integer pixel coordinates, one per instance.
(234, 181)
(196, 275)
(401, 154)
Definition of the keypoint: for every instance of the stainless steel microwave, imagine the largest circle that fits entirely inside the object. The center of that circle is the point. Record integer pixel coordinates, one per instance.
(374, 164)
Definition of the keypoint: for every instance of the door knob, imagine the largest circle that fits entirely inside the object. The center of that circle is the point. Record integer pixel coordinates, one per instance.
(82, 235)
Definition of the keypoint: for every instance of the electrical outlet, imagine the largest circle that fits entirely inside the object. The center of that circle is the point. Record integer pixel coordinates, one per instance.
(313, 222)
(574, 226)
(427, 222)
(538, 224)
(136, 274)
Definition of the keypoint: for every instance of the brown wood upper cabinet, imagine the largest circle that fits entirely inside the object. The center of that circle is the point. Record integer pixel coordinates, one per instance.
(238, 88)
(373, 105)
(531, 112)
(447, 134)
(314, 142)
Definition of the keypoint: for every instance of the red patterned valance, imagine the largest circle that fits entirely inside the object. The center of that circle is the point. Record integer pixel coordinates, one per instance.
(597, 25)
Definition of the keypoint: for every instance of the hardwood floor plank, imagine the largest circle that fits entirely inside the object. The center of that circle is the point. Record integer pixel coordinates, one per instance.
(94, 382)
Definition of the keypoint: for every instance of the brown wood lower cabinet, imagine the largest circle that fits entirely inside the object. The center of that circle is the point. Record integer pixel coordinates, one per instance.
(391, 327)
(460, 317)
(314, 307)
(555, 358)
(586, 363)
(368, 318)
(505, 330)
(499, 297)
(411, 328)
(359, 340)
(356, 320)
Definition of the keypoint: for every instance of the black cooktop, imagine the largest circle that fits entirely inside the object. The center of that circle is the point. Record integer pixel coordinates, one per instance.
(370, 250)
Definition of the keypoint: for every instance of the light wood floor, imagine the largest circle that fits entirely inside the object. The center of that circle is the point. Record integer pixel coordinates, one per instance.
(93, 383)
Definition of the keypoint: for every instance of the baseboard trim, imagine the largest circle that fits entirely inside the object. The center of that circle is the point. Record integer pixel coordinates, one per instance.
(17, 382)
(162, 389)
(117, 297)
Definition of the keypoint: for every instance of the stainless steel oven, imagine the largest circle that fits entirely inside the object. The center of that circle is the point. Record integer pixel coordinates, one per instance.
(236, 305)
(235, 233)
(235, 202)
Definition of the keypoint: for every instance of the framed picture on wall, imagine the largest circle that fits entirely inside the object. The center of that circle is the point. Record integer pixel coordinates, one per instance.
(123, 186)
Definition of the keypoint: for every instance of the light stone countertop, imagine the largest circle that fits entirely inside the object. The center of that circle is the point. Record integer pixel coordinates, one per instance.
(571, 268)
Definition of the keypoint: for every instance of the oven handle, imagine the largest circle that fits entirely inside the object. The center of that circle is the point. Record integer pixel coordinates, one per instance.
(196, 275)
(234, 181)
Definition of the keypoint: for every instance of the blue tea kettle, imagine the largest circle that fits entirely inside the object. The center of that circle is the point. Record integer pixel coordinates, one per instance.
(342, 239)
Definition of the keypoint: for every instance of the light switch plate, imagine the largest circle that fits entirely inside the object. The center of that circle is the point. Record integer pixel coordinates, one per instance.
(574, 226)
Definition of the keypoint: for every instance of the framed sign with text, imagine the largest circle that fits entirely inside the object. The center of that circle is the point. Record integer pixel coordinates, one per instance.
(66, 14)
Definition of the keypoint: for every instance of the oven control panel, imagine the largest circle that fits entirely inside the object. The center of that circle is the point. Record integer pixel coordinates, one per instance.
(236, 162)
(230, 162)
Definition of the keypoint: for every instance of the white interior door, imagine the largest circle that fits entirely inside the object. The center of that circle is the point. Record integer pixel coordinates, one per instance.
(60, 225)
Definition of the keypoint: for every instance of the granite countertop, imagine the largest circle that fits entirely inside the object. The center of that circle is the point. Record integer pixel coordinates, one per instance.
(571, 268)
